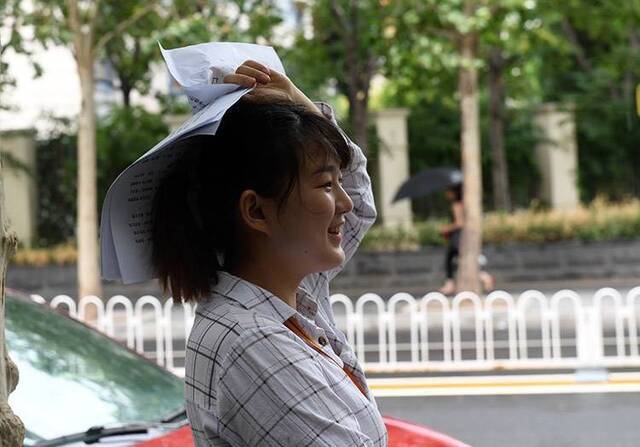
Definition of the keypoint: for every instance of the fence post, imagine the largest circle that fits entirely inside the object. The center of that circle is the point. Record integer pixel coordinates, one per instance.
(589, 346)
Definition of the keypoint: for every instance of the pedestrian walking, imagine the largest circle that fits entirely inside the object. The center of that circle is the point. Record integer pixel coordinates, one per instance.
(252, 223)
(451, 233)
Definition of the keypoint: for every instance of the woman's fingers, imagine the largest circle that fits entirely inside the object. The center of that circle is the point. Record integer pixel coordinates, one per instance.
(249, 74)
(240, 79)
(254, 74)
(259, 75)
(257, 65)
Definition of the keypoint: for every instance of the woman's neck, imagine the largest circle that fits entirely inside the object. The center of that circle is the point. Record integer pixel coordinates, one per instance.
(275, 280)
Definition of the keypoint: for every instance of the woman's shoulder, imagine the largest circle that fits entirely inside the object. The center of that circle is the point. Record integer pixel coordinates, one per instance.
(223, 324)
(221, 315)
(224, 329)
(221, 337)
(229, 338)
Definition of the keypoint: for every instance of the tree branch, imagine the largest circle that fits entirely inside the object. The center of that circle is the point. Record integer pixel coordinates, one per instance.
(74, 19)
(12, 37)
(340, 16)
(122, 26)
(573, 38)
(372, 63)
(634, 40)
(442, 32)
(581, 57)
(76, 28)
(93, 14)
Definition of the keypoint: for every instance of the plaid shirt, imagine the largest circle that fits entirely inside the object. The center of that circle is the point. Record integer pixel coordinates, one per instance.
(250, 381)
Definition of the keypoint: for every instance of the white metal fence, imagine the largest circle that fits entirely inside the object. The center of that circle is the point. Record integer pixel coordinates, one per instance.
(430, 333)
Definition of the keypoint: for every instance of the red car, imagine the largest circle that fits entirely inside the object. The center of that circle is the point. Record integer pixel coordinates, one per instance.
(401, 434)
(78, 387)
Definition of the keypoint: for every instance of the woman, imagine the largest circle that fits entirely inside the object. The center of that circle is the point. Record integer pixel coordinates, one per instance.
(252, 224)
(451, 232)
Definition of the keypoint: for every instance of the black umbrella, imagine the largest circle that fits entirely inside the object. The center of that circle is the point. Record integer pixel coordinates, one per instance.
(428, 181)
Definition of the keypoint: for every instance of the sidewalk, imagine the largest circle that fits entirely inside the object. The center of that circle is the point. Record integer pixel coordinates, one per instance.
(585, 287)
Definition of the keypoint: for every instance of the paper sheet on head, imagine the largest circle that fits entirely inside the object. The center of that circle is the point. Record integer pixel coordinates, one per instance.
(125, 224)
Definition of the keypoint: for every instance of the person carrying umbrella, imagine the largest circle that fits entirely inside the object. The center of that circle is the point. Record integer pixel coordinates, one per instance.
(449, 180)
(451, 233)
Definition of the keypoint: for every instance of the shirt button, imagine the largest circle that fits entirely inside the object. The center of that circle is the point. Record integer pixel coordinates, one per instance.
(322, 341)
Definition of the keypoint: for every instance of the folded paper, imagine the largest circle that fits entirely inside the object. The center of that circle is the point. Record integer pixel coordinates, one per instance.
(125, 224)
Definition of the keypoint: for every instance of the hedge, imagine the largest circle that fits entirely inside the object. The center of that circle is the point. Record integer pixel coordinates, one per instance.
(601, 221)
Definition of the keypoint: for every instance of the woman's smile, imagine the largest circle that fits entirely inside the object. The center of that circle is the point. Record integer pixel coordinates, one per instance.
(335, 233)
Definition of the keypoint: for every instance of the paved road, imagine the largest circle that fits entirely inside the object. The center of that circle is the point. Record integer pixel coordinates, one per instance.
(580, 420)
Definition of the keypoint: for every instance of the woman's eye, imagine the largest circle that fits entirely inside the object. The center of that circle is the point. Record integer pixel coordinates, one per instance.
(331, 184)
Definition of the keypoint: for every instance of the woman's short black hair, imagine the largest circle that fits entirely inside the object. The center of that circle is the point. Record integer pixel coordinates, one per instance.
(457, 192)
(260, 146)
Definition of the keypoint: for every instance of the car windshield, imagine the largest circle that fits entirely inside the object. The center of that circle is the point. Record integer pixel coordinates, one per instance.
(73, 378)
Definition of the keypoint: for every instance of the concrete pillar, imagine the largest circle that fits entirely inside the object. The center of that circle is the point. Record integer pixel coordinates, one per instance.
(393, 166)
(557, 155)
(20, 187)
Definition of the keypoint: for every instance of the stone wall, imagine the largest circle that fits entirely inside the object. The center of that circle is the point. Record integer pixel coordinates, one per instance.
(514, 262)
(19, 186)
(413, 272)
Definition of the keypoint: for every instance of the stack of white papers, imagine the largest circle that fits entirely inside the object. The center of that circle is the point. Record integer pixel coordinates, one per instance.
(125, 225)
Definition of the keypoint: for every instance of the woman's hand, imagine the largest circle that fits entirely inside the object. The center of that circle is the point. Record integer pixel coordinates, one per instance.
(268, 84)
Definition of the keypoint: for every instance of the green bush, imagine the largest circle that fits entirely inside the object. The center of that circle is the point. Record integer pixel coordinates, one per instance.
(390, 239)
(601, 221)
(38, 257)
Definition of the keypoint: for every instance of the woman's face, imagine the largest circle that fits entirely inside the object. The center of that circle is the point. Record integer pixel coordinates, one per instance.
(308, 232)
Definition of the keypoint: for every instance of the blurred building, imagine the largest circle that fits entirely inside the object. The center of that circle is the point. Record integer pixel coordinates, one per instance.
(18, 152)
(106, 92)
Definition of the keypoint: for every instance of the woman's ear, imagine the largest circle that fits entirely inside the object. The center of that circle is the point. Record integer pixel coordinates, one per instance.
(253, 211)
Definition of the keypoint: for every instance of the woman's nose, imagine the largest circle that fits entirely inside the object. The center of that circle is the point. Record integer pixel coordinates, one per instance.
(344, 204)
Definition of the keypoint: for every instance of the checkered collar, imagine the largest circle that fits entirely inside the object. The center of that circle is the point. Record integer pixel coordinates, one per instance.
(252, 296)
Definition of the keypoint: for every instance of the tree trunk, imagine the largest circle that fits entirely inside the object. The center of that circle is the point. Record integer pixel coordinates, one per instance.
(359, 120)
(629, 78)
(125, 88)
(500, 169)
(87, 224)
(358, 95)
(360, 65)
(471, 240)
(11, 427)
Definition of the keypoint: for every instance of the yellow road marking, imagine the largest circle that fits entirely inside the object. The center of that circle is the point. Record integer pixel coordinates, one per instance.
(501, 384)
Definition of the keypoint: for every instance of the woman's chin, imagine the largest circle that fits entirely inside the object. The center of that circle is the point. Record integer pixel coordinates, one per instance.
(330, 261)
(337, 258)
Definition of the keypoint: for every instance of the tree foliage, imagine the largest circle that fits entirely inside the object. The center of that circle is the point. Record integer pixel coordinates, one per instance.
(597, 68)
(344, 50)
(122, 137)
(131, 52)
(570, 52)
(12, 39)
(575, 51)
